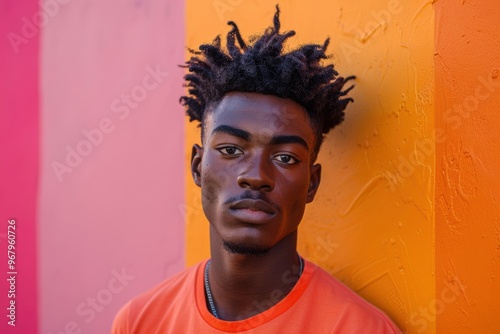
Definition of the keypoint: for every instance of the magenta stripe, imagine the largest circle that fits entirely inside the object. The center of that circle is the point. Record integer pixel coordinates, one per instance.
(19, 123)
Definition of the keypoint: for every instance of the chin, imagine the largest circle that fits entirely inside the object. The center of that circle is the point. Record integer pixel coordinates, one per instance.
(244, 249)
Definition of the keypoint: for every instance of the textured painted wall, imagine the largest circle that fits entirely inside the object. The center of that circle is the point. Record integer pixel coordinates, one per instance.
(467, 64)
(107, 141)
(372, 223)
(111, 156)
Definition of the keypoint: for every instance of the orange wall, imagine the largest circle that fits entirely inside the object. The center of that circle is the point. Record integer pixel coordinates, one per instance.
(372, 224)
(467, 63)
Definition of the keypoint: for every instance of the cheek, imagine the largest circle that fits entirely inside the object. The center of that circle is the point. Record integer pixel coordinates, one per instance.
(214, 181)
(208, 193)
(219, 175)
(298, 208)
(210, 188)
(296, 196)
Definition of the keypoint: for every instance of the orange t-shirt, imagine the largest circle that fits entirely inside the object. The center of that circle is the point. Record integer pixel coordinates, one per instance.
(318, 303)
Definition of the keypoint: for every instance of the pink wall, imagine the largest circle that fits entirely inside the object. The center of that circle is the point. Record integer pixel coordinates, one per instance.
(18, 163)
(110, 224)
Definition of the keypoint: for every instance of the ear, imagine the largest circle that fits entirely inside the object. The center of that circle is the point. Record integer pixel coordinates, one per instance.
(314, 182)
(196, 155)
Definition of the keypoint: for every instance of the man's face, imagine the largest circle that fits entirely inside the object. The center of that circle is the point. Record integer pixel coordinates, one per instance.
(255, 169)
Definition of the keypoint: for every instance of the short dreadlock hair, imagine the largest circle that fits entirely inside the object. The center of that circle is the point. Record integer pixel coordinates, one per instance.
(262, 67)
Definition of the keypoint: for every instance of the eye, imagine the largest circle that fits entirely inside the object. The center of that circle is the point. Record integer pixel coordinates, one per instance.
(286, 159)
(230, 150)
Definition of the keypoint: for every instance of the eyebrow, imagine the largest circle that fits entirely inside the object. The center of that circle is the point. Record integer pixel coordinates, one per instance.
(232, 132)
(278, 140)
(275, 140)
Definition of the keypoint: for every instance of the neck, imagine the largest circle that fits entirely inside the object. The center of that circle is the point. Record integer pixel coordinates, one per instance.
(245, 285)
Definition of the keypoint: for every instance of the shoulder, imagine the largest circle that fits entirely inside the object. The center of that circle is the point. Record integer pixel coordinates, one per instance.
(157, 301)
(349, 310)
(180, 283)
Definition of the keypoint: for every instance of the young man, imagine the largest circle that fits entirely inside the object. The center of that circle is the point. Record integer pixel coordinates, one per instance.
(263, 115)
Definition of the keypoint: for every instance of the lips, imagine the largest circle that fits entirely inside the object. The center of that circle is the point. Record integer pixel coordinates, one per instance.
(253, 205)
(252, 211)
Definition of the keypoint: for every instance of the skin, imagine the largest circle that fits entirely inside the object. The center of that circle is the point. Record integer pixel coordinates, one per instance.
(256, 174)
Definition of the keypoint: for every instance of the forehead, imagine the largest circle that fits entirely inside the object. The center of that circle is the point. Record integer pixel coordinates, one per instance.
(262, 115)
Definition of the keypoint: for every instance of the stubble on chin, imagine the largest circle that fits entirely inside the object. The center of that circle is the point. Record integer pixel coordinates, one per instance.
(241, 249)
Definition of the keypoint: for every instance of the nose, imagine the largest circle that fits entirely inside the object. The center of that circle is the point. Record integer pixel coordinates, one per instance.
(257, 173)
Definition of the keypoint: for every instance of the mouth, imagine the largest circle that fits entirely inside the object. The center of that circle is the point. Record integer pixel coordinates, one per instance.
(252, 211)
